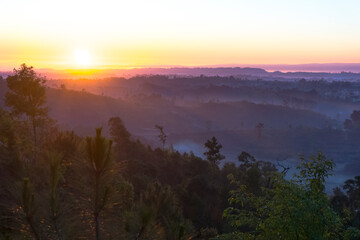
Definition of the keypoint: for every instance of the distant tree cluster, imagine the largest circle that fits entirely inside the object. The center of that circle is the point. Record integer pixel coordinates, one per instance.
(354, 122)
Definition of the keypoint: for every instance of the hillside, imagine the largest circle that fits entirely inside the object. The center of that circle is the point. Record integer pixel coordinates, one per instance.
(287, 131)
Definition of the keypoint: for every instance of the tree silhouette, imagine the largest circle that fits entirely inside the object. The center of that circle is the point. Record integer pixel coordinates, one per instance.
(26, 96)
(162, 136)
(354, 121)
(121, 137)
(352, 187)
(55, 177)
(28, 206)
(213, 154)
(98, 151)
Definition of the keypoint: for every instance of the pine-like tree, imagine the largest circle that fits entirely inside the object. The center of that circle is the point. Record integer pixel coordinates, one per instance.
(99, 159)
(213, 154)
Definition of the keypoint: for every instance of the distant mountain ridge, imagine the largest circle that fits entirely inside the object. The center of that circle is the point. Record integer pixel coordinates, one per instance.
(198, 71)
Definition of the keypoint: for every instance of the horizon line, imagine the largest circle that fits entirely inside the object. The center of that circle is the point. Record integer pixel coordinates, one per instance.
(171, 66)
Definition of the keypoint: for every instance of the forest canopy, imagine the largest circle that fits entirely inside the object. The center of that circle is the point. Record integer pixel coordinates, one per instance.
(55, 184)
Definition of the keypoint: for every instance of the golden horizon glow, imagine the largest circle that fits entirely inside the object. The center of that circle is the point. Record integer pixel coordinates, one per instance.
(142, 33)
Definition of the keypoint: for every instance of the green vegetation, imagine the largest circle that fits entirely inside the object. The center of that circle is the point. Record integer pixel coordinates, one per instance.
(59, 185)
(290, 209)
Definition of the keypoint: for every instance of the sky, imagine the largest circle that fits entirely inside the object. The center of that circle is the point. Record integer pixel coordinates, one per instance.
(137, 33)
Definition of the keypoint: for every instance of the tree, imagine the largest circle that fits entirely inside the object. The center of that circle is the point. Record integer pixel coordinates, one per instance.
(162, 136)
(352, 187)
(28, 206)
(291, 209)
(157, 216)
(121, 137)
(353, 122)
(55, 177)
(213, 154)
(98, 151)
(26, 96)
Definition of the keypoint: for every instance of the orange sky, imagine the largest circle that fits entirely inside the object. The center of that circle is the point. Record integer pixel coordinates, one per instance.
(46, 34)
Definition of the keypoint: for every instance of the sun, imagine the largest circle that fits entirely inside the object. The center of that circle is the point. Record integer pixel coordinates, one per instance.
(82, 57)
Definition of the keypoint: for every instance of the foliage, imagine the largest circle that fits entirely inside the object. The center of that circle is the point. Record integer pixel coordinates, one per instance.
(98, 151)
(120, 136)
(291, 209)
(73, 187)
(213, 154)
(26, 96)
(28, 206)
(27, 92)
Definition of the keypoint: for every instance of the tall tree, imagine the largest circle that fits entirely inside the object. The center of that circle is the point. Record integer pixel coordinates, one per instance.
(26, 96)
(162, 136)
(99, 159)
(55, 177)
(213, 154)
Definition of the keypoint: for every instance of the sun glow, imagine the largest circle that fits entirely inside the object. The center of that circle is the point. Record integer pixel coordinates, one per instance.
(82, 57)
(280, 32)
